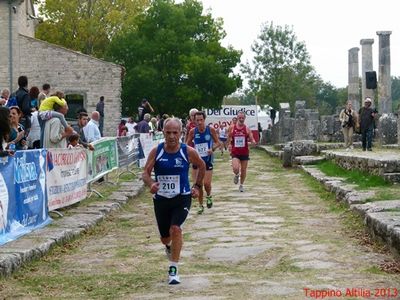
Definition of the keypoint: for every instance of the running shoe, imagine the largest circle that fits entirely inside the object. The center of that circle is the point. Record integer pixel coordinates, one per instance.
(168, 252)
(209, 201)
(236, 179)
(173, 277)
(201, 210)
(241, 189)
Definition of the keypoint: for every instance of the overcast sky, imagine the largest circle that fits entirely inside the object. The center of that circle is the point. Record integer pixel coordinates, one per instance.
(328, 28)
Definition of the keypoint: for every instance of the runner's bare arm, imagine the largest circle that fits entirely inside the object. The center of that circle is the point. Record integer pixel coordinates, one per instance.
(148, 168)
(215, 139)
(189, 136)
(250, 136)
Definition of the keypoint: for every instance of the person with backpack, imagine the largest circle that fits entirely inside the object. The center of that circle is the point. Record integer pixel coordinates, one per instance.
(24, 102)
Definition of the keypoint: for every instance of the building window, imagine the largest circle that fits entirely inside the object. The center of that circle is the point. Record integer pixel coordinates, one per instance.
(75, 103)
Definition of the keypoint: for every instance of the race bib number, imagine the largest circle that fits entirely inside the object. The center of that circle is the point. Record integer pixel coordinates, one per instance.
(239, 141)
(202, 149)
(169, 185)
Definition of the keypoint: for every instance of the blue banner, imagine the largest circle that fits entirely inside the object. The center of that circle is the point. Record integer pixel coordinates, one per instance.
(22, 194)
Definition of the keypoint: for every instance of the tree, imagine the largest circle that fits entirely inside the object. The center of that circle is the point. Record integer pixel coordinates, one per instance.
(281, 69)
(327, 98)
(175, 59)
(87, 26)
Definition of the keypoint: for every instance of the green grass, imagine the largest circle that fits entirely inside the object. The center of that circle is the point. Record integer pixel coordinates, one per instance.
(362, 179)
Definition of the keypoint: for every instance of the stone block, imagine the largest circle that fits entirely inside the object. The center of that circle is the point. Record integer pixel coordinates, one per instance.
(387, 129)
(304, 147)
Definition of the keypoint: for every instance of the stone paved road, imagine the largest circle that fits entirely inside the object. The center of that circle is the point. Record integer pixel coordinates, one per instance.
(273, 241)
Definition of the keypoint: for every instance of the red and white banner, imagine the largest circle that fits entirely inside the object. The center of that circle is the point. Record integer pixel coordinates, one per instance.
(66, 176)
(216, 117)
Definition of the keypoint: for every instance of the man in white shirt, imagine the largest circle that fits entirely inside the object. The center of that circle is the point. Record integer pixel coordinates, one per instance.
(91, 130)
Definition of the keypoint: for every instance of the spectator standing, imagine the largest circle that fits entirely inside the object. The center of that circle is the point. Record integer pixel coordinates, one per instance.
(33, 94)
(91, 130)
(17, 133)
(73, 141)
(121, 125)
(24, 102)
(83, 119)
(4, 131)
(153, 125)
(144, 108)
(44, 93)
(55, 134)
(160, 126)
(348, 120)
(131, 126)
(5, 94)
(143, 126)
(100, 109)
(367, 124)
(272, 114)
(33, 137)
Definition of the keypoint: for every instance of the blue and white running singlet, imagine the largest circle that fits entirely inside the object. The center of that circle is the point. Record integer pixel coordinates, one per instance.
(202, 143)
(172, 172)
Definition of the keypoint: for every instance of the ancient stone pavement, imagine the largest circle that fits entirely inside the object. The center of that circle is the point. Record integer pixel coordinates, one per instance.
(278, 240)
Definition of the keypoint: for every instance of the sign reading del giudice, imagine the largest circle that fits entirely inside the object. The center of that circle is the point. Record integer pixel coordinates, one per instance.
(224, 115)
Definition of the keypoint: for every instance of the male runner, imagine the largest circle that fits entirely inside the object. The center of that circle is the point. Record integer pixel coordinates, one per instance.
(239, 136)
(205, 140)
(172, 193)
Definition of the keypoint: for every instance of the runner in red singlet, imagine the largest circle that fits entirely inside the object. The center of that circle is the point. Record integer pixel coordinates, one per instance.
(239, 138)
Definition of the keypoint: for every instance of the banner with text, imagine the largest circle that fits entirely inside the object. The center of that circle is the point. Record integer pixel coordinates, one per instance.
(66, 176)
(103, 159)
(216, 117)
(23, 205)
(128, 150)
(147, 142)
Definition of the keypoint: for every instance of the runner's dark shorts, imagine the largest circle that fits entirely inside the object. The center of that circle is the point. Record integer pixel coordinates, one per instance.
(241, 157)
(171, 211)
(209, 166)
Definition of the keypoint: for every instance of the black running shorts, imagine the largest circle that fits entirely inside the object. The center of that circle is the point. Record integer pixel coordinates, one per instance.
(171, 211)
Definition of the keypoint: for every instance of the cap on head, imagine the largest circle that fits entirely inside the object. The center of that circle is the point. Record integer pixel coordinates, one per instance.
(367, 100)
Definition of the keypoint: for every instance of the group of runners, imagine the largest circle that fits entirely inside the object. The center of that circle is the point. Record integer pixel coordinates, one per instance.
(171, 161)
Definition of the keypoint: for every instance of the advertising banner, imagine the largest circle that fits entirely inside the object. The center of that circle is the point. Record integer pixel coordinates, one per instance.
(224, 115)
(66, 176)
(216, 117)
(128, 150)
(23, 205)
(103, 159)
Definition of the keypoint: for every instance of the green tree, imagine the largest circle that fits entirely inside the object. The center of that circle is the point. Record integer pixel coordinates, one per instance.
(175, 59)
(327, 98)
(280, 70)
(87, 26)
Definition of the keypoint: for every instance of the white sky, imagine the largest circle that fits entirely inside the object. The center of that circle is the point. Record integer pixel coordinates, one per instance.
(329, 28)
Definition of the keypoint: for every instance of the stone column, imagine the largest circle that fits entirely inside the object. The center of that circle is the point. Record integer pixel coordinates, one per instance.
(367, 66)
(354, 89)
(384, 80)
